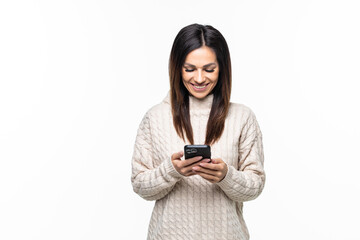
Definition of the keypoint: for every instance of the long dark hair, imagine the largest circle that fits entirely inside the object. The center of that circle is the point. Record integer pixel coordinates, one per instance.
(188, 39)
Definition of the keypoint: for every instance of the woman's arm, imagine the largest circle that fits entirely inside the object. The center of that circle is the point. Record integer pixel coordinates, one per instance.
(149, 181)
(248, 182)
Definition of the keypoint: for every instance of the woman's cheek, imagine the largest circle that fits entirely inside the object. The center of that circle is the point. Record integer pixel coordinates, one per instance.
(186, 77)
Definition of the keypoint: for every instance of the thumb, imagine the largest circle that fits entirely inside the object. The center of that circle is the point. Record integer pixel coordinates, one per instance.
(214, 160)
(177, 155)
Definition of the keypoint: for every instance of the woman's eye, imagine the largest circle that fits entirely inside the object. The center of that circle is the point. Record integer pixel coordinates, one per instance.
(191, 70)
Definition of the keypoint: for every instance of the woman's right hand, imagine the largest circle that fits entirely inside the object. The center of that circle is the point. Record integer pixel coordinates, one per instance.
(184, 167)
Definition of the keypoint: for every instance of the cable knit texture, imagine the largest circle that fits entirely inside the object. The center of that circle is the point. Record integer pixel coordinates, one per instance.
(191, 207)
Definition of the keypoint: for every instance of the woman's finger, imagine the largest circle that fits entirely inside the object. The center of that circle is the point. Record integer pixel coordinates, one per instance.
(188, 162)
(177, 156)
(191, 174)
(189, 168)
(208, 177)
(212, 166)
(199, 169)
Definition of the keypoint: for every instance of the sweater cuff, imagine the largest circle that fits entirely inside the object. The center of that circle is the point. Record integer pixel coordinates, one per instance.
(227, 181)
(170, 169)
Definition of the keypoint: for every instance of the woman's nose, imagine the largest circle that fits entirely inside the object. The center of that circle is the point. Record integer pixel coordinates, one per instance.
(199, 78)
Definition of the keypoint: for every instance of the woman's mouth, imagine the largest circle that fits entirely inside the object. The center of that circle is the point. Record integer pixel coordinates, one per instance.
(199, 88)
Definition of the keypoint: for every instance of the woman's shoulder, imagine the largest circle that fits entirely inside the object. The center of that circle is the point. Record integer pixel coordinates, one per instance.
(241, 110)
(159, 108)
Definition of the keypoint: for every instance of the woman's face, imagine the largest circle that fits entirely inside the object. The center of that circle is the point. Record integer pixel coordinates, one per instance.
(200, 72)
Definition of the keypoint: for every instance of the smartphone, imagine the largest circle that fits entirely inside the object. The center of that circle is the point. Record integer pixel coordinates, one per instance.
(197, 150)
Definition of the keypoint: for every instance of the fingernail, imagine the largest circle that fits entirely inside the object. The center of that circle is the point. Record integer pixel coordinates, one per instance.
(202, 164)
(200, 157)
(195, 168)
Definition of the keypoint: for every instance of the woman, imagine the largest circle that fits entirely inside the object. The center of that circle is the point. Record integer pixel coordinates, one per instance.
(198, 198)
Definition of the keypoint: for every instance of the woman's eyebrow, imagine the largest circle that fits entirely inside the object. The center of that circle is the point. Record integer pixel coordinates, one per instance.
(207, 65)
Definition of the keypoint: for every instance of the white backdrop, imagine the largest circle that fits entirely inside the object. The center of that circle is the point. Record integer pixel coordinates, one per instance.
(76, 77)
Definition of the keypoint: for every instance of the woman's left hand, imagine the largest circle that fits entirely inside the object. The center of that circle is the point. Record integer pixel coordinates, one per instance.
(213, 172)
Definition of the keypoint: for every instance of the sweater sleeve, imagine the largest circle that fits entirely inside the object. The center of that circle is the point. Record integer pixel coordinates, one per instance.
(149, 181)
(248, 182)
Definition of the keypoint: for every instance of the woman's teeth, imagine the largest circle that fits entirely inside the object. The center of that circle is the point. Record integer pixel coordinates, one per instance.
(200, 88)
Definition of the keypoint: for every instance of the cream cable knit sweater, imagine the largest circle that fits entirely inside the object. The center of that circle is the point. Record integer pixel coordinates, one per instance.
(191, 207)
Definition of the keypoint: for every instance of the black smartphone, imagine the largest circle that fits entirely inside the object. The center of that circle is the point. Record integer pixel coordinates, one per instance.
(197, 150)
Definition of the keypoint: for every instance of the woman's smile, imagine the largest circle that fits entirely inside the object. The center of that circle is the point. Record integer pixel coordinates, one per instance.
(199, 88)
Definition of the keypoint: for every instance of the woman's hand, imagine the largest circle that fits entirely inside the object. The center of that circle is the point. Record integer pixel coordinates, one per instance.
(184, 167)
(213, 172)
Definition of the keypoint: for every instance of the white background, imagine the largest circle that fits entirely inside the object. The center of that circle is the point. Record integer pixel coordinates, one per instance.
(76, 77)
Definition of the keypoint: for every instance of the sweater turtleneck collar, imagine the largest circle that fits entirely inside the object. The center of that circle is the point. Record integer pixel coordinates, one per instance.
(203, 104)
(197, 105)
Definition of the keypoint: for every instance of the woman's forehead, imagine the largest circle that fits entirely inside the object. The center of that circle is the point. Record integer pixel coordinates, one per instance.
(201, 56)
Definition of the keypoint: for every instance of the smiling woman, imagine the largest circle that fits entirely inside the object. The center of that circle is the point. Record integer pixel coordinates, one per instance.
(198, 198)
